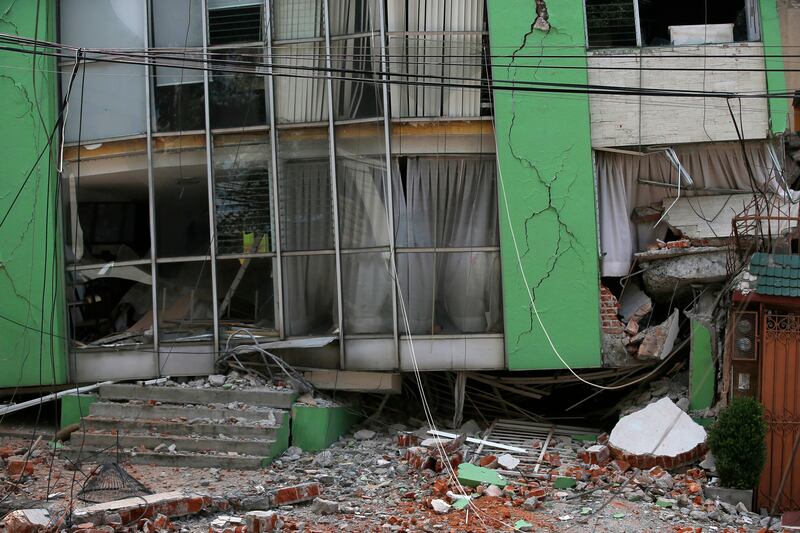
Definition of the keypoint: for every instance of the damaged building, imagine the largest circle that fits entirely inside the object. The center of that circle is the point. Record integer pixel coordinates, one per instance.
(503, 198)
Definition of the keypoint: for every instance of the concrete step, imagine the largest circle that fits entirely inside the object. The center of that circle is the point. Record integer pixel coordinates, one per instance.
(256, 447)
(169, 412)
(188, 395)
(182, 459)
(178, 428)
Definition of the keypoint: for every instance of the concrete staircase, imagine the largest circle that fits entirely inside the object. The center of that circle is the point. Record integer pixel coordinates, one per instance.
(183, 426)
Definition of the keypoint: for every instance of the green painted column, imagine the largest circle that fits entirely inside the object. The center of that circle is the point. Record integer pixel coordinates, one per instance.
(702, 373)
(30, 281)
(546, 175)
(776, 80)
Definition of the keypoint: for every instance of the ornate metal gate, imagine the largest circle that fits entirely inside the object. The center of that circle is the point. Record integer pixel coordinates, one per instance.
(780, 394)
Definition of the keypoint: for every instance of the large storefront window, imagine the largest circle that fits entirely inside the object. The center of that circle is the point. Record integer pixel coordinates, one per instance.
(211, 201)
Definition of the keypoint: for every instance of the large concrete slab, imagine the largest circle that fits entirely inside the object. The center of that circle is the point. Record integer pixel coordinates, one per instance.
(168, 427)
(182, 395)
(170, 411)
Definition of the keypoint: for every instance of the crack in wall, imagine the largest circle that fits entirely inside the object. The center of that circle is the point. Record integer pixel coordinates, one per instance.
(564, 232)
(4, 17)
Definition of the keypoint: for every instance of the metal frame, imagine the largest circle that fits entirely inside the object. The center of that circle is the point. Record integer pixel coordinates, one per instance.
(277, 254)
(151, 200)
(273, 179)
(334, 182)
(212, 210)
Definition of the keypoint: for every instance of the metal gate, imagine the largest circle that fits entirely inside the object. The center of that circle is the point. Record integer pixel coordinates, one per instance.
(780, 394)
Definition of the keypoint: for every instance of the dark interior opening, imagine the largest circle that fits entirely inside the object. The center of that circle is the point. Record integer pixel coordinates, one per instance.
(656, 16)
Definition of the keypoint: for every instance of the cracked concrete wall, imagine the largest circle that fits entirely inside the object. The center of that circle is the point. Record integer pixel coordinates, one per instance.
(30, 280)
(545, 162)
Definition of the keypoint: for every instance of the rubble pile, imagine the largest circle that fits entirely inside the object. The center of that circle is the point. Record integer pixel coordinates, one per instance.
(399, 479)
(233, 380)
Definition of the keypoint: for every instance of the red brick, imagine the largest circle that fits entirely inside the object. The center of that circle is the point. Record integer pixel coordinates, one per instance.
(488, 461)
(297, 494)
(18, 465)
(26, 521)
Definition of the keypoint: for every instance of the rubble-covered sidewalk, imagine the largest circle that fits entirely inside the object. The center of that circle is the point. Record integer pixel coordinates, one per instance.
(383, 479)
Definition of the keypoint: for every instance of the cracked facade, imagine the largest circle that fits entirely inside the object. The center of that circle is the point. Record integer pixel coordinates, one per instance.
(198, 204)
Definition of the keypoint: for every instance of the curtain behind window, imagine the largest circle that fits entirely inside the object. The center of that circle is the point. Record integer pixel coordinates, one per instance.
(449, 202)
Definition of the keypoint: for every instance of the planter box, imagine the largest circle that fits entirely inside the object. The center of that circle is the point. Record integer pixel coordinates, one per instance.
(731, 496)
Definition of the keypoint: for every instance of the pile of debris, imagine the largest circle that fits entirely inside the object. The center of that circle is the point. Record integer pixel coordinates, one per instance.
(233, 380)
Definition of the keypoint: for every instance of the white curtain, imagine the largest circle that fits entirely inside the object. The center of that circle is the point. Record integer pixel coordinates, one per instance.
(436, 58)
(718, 165)
(307, 224)
(300, 92)
(449, 202)
(363, 222)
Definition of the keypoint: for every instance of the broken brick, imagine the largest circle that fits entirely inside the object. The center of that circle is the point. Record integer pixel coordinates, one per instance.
(597, 454)
(171, 504)
(26, 521)
(261, 521)
(297, 494)
(488, 461)
(18, 465)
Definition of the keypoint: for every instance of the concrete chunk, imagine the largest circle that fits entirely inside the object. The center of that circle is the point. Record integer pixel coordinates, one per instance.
(26, 521)
(660, 434)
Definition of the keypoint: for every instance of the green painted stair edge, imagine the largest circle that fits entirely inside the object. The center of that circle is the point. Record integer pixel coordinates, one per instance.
(74, 407)
(316, 428)
(281, 440)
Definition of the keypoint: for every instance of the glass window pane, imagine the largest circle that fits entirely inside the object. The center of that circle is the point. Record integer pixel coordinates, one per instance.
(110, 305)
(237, 99)
(446, 201)
(451, 292)
(178, 92)
(297, 19)
(361, 175)
(246, 296)
(304, 189)
(181, 188)
(366, 293)
(456, 59)
(113, 101)
(242, 193)
(103, 23)
(354, 16)
(300, 94)
(309, 297)
(357, 99)
(185, 300)
(106, 209)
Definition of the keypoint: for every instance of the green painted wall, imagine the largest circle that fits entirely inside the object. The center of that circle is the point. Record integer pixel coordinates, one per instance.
(779, 113)
(702, 373)
(545, 164)
(28, 237)
(316, 428)
(74, 407)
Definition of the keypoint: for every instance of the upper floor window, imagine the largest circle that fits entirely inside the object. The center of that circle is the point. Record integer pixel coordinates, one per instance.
(628, 23)
(234, 21)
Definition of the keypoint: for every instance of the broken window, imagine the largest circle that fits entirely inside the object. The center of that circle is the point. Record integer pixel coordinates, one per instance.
(178, 92)
(628, 23)
(181, 196)
(185, 302)
(109, 304)
(238, 99)
(245, 295)
(235, 21)
(242, 193)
